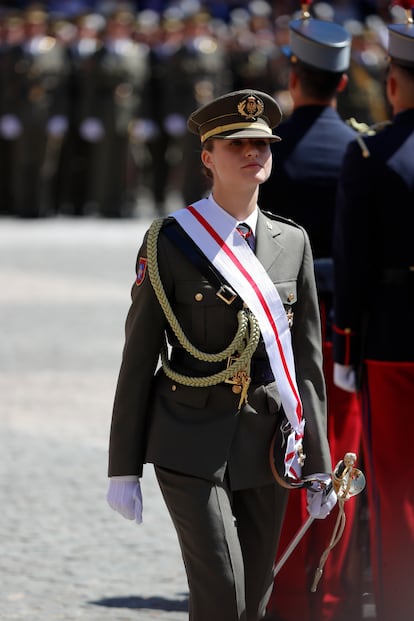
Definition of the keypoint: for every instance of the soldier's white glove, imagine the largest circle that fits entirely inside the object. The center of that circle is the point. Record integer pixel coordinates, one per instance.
(91, 129)
(320, 502)
(144, 129)
(57, 126)
(124, 496)
(175, 125)
(10, 127)
(344, 377)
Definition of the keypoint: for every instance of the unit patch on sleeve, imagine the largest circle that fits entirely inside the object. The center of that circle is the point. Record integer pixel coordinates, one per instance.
(141, 270)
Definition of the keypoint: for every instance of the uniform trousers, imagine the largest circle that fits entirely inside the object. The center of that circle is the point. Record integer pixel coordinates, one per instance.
(388, 408)
(228, 541)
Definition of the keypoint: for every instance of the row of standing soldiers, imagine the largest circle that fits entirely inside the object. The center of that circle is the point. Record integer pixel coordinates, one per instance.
(92, 110)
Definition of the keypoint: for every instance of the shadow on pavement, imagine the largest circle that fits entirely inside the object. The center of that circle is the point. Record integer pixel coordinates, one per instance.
(151, 603)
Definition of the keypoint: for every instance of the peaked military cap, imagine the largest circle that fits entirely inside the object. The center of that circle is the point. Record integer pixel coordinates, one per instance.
(240, 114)
(318, 43)
(401, 38)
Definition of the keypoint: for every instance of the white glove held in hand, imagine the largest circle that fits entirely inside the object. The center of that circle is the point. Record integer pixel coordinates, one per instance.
(10, 127)
(57, 126)
(320, 503)
(344, 377)
(125, 497)
(144, 129)
(92, 130)
(175, 125)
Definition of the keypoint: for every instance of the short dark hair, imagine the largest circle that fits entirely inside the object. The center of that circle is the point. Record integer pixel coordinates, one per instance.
(408, 69)
(317, 82)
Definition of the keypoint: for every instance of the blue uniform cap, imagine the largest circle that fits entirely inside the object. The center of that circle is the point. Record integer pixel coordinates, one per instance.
(320, 44)
(401, 44)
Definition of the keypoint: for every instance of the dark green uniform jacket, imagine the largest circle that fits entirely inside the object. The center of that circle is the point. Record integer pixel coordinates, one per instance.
(200, 431)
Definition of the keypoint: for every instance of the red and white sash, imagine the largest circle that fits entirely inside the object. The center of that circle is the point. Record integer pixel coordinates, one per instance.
(214, 231)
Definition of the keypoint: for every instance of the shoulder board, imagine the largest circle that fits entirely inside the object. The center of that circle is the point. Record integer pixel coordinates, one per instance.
(274, 216)
(361, 128)
(378, 127)
(168, 221)
(367, 130)
(364, 130)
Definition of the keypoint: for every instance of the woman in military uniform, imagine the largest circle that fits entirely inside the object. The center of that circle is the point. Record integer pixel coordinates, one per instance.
(233, 289)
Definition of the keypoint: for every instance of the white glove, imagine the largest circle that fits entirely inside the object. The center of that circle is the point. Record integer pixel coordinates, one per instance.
(57, 126)
(144, 129)
(175, 125)
(92, 130)
(344, 377)
(320, 502)
(124, 495)
(10, 127)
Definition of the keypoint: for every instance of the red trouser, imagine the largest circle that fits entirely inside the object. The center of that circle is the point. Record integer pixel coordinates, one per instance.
(388, 409)
(338, 595)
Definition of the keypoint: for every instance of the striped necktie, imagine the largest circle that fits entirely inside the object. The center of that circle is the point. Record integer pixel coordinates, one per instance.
(247, 234)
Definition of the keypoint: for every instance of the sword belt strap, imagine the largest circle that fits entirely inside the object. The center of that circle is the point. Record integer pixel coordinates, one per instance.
(181, 240)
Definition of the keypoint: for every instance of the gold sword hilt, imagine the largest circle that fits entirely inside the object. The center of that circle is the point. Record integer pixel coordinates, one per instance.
(346, 479)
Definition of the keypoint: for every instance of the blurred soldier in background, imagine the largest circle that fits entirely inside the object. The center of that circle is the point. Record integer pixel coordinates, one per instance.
(131, 87)
(198, 72)
(303, 187)
(163, 35)
(374, 330)
(79, 172)
(12, 37)
(255, 54)
(34, 115)
(364, 96)
(113, 104)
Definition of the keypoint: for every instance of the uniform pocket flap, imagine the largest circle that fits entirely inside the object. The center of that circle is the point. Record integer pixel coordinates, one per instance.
(192, 396)
(196, 291)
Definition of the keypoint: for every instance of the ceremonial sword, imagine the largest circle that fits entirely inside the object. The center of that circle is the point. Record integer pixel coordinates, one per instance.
(347, 482)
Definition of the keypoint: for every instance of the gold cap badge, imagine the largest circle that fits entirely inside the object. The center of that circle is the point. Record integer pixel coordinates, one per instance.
(250, 107)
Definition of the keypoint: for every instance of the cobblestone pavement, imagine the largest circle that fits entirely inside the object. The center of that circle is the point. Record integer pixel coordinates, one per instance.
(65, 555)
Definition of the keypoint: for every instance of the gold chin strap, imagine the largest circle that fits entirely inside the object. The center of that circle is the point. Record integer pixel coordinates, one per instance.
(234, 126)
(244, 342)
